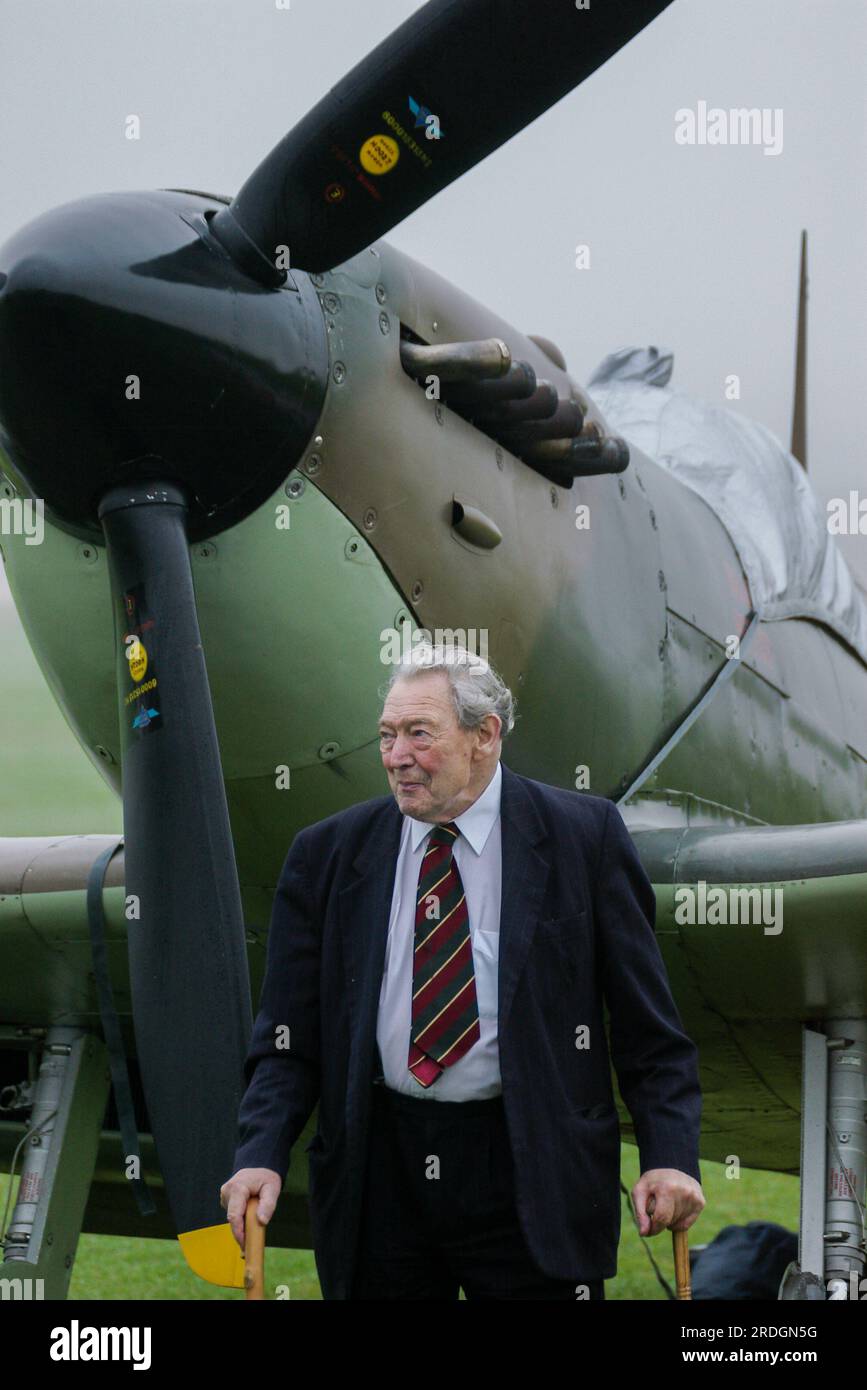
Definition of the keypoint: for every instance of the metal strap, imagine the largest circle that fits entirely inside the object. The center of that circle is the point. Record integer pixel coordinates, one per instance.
(111, 1026)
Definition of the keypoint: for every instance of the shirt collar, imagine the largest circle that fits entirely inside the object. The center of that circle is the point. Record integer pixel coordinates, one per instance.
(475, 823)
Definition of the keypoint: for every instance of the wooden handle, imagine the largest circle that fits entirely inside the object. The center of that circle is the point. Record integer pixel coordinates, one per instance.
(254, 1251)
(680, 1241)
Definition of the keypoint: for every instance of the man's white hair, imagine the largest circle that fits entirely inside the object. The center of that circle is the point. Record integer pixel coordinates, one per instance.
(476, 689)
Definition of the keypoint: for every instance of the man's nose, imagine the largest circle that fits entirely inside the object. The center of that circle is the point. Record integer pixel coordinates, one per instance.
(400, 753)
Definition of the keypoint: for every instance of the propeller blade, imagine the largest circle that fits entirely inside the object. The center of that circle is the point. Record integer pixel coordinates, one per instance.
(451, 85)
(187, 955)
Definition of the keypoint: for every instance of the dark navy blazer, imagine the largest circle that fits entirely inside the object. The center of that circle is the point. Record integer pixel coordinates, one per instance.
(576, 932)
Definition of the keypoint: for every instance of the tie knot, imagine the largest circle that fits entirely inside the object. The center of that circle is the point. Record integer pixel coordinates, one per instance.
(444, 834)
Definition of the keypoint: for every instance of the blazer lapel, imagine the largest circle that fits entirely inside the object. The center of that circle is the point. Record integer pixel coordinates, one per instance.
(365, 907)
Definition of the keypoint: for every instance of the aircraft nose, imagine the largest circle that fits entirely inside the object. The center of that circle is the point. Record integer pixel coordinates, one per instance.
(132, 347)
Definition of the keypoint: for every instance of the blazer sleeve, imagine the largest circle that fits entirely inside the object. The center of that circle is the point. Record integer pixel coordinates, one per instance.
(655, 1061)
(283, 1081)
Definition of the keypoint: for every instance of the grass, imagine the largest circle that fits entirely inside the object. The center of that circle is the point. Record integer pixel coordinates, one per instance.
(116, 1267)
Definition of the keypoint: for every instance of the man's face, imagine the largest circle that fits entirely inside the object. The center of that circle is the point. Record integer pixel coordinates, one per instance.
(435, 768)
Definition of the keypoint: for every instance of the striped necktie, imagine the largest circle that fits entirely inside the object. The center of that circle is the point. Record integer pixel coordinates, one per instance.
(445, 1011)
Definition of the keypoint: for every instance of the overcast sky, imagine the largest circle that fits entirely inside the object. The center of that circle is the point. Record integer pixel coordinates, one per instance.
(691, 247)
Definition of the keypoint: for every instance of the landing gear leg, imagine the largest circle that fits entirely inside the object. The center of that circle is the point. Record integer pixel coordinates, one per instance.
(57, 1162)
(847, 1158)
(831, 1246)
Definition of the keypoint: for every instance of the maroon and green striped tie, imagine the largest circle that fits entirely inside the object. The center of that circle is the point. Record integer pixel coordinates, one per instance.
(445, 1011)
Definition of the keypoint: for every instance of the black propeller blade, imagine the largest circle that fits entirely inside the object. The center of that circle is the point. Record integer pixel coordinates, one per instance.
(229, 381)
(187, 954)
(447, 88)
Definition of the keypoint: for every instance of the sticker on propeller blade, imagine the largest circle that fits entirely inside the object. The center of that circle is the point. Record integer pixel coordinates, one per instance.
(146, 717)
(139, 691)
(427, 118)
(343, 158)
(379, 154)
(402, 134)
(143, 702)
(137, 657)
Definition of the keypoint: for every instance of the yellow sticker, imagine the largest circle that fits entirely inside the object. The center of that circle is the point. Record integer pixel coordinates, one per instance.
(379, 154)
(137, 658)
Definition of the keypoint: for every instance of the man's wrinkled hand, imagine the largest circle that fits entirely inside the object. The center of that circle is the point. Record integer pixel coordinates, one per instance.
(666, 1199)
(263, 1183)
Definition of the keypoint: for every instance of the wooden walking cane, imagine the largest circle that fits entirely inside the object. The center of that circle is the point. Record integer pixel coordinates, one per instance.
(680, 1241)
(254, 1251)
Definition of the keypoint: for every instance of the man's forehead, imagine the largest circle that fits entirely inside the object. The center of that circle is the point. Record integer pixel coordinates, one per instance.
(419, 695)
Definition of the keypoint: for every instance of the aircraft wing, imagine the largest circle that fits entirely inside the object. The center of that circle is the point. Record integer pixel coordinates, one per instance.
(763, 929)
(743, 988)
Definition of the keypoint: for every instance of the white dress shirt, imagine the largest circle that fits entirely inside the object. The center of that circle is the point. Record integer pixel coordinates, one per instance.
(478, 856)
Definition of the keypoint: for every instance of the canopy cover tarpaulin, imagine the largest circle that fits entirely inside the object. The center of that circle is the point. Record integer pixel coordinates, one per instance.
(760, 493)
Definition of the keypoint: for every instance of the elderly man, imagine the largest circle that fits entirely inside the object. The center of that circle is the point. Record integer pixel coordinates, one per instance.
(442, 956)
